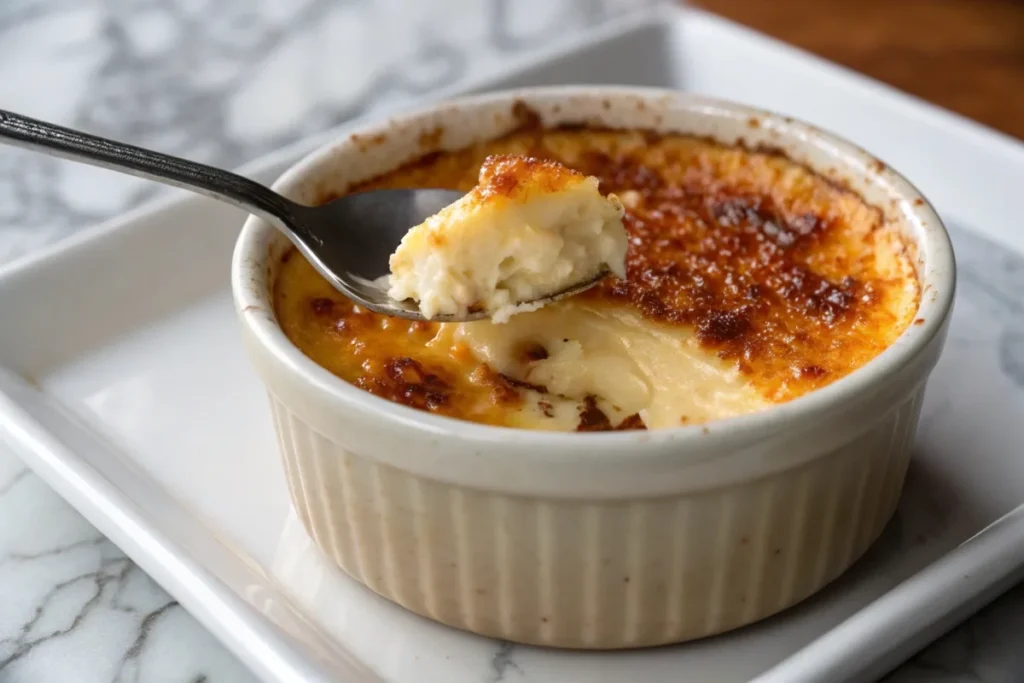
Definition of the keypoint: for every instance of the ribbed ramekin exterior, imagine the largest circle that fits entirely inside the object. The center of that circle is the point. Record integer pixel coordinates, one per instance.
(597, 573)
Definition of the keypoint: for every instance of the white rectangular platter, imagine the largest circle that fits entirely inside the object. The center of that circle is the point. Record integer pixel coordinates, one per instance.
(123, 384)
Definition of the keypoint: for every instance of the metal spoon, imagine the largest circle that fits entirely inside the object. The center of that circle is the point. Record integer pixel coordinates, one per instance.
(348, 240)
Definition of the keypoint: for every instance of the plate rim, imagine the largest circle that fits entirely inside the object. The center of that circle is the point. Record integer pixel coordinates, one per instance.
(88, 489)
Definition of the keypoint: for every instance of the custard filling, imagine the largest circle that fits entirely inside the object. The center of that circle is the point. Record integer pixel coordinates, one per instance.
(749, 281)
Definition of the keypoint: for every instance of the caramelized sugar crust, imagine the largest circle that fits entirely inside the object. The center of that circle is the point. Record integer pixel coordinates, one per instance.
(389, 357)
(515, 177)
(776, 269)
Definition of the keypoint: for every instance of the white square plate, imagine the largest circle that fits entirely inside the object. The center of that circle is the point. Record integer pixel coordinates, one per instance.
(128, 392)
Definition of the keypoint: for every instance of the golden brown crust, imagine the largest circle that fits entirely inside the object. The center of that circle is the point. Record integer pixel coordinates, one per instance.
(387, 357)
(513, 175)
(593, 419)
(774, 271)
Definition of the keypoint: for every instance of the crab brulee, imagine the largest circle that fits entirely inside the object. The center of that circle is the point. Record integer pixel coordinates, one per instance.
(749, 281)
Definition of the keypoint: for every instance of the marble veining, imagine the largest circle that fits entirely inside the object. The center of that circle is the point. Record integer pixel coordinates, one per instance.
(73, 608)
(225, 81)
(503, 666)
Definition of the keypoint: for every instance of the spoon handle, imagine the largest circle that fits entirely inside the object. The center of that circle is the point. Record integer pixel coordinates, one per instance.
(29, 133)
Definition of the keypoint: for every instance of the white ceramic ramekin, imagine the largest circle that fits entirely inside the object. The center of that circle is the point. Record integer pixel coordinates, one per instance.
(599, 540)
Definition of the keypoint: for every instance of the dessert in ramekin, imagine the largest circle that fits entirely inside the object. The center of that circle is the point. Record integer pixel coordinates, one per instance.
(804, 286)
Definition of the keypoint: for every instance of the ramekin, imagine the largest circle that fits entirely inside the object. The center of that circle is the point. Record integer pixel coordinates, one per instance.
(600, 540)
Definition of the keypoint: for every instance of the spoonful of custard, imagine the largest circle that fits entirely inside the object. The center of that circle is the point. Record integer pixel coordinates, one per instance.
(531, 232)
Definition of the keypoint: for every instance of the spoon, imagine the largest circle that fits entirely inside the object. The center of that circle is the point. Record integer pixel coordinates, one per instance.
(349, 240)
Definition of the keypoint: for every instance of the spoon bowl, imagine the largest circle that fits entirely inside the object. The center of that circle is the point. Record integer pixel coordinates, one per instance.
(349, 240)
(373, 224)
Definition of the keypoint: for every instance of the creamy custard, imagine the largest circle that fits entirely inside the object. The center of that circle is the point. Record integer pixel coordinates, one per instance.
(749, 281)
(529, 229)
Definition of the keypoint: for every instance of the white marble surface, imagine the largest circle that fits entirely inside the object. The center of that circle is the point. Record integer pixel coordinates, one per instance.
(224, 81)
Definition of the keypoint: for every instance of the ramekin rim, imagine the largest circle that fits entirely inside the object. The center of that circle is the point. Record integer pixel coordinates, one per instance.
(937, 283)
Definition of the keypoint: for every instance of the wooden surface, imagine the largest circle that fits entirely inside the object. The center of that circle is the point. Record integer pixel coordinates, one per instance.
(965, 55)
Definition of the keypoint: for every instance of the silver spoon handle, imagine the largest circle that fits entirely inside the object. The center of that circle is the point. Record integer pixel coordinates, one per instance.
(246, 194)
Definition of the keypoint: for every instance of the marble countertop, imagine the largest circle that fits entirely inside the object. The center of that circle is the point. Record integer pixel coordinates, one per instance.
(224, 81)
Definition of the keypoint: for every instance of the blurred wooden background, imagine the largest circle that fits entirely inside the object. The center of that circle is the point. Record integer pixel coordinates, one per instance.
(965, 55)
